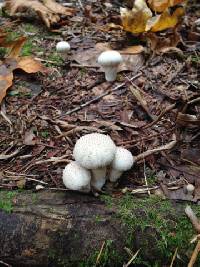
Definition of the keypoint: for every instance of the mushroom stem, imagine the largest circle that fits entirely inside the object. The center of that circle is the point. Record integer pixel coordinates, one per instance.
(110, 73)
(98, 178)
(114, 175)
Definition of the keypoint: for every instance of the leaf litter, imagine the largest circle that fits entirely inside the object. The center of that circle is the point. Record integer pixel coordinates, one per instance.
(142, 114)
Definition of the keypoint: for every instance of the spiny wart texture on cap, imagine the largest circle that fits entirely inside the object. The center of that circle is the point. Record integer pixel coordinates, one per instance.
(75, 176)
(94, 151)
(123, 159)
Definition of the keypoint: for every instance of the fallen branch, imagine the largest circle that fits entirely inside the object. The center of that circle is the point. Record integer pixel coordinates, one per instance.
(155, 150)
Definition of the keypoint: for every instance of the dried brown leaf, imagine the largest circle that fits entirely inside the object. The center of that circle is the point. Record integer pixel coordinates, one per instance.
(89, 57)
(6, 77)
(29, 64)
(187, 120)
(48, 11)
(161, 5)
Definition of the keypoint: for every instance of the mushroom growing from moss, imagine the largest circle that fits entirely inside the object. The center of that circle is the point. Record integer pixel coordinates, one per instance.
(110, 60)
(123, 161)
(95, 152)
(75, 177)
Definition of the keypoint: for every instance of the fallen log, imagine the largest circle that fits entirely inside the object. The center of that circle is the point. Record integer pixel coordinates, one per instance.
(72, 229)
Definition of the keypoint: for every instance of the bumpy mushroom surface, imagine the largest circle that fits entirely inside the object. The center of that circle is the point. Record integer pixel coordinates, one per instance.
(95, 152)
(62, 47)
(123, 161)
(75, 177)
(110, 60)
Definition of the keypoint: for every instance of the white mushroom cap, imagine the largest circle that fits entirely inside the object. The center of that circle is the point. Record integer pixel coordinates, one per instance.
(110, 61)
(190, 188)
(110, 58)
(62, 47)
(93, 151)
(75, 177)
(123, 160)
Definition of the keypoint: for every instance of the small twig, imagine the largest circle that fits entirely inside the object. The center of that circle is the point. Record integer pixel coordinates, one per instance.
(102, 95)
(149, 152)
(160, 116)
(79, 129)
(100, 252)
(55, 160)
(132, 259)
(4, 157)
(193, 218)
(174, 257)
(194, 255)
(5, 264)
(196, 224)
(145, 178)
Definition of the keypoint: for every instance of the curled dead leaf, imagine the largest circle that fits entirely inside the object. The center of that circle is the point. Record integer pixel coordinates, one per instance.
(48, 11)
(162, 5)
(188, 120)
(29, 65)
(135, 20)
(140, 19)
(166, 20)
(6, 78)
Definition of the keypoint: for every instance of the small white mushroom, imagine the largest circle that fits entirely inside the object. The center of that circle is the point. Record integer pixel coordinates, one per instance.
(190, 189)
(63, 47)
(75, 177)
(110, 60)
(123, 161)
(95, 152)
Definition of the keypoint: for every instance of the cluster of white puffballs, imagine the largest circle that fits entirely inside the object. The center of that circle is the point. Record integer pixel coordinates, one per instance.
(108, 60)
(97, 159)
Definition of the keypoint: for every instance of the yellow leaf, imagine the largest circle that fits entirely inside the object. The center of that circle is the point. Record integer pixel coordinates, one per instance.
(135, 20)
(166, 20)
(161, 5)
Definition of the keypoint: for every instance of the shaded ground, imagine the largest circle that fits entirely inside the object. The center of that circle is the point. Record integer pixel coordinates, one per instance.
(36, 106)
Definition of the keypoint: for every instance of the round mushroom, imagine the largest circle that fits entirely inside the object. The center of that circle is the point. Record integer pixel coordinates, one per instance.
(123, 161)
(75, 177)
(110, 60)
(95, 152)
(190, 189)
(62, 47)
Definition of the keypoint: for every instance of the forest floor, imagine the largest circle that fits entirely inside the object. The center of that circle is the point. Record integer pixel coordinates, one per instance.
(42, 117)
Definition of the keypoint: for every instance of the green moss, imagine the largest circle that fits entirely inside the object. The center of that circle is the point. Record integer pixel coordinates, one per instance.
(108, 257)
(55, 58)
(27, 49)
(159, 218)
(6, 199)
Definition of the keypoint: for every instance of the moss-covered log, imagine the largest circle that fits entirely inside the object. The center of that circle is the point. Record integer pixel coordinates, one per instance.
(71, 229)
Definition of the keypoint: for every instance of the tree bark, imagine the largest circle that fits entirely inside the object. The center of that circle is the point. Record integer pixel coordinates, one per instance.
(73, 229)
(56, 229)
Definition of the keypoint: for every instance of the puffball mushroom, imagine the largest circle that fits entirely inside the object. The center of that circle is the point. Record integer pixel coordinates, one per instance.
(95, 152)
(75, 177)
(190, 189)
(62, 47)
(123, 161)
(110, 60)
